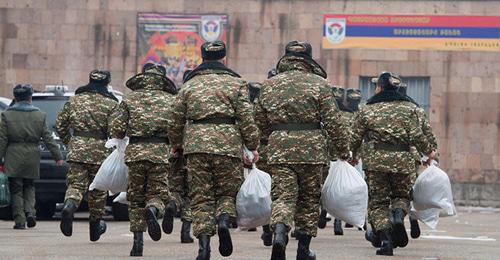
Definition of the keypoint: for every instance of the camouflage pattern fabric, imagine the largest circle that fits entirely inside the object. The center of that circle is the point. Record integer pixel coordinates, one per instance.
(179, 188)
(299, 96)
(296, 194)
(387, 191)
(22, 198)
(145, 112)
(214, 94)
(427, 130)
(214, 183)
(394, 123)
(88, 112)
(80, 176)
(147, 186)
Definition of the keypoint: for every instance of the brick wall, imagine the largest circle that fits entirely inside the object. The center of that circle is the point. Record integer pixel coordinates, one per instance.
(52, 41)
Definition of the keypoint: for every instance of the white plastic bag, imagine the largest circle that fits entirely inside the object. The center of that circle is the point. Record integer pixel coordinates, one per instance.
(253, 202)
(113, 173)
(121, 198)
(345, 194)
(432, 196)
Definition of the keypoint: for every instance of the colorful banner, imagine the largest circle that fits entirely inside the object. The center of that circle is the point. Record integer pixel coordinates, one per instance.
(411, 32)
(174, 40)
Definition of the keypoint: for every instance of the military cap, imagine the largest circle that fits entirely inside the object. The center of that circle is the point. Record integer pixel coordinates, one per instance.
(100, 76)
(387, 79)
(353, 94)
(154, 69)
(23, 91)
(338, 92)
(271, 73)
(296, 47)
(213, 50)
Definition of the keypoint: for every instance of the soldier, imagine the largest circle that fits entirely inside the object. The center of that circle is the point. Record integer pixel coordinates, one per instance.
(179, 189)
(389, 125)
(142, 116)
(292, 108)
(214, 104)
(87, 115)
(21, 128)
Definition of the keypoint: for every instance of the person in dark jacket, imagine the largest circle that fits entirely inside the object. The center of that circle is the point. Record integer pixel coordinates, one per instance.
(21, 129)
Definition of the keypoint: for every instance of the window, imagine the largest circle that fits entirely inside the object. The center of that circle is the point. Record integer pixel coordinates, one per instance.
(418, 89)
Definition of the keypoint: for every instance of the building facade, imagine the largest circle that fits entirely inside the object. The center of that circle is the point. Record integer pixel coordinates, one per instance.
(58, 42)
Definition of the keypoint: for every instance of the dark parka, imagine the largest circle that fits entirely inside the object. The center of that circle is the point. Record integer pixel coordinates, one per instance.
(21, 130)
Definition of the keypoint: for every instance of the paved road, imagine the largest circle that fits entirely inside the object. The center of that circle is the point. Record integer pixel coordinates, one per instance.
(471, 235)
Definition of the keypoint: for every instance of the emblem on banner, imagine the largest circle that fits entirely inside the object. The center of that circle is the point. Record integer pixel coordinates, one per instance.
(210, 28)
(335, 29)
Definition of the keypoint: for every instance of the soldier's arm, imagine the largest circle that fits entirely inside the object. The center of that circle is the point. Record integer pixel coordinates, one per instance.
(262, 122)
(426, 128)
(176, 125)
(119, 121)
(3, 137)
(333, 122)
(49, 142)
(63, 124)
(357, 132)
(417, 137)
(244, 115)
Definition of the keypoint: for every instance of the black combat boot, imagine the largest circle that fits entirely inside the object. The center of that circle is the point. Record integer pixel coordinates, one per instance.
(19, 226)
(280, 241)
(337, 227)
(30, 219)
(322, 219)
(225, 243)
(303, 251)
(399, 234)
(138, 244)
(373, 237)
(386, 247)
(347, 225)
(186, 233)
(168, 218)
(96, 229)
(414, 228)
(67, 213)
(204, 247)
(154, 229)
(267, 235)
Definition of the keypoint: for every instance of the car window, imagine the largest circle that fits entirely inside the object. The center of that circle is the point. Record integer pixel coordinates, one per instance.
(51, 106)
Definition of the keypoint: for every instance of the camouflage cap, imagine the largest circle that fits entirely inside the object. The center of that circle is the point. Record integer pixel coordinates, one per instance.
(213, 50)
(338, 92)
(296, 47)
(353, 94)
(388, 79)
(154, 68)
(100, 76)
(22, 91)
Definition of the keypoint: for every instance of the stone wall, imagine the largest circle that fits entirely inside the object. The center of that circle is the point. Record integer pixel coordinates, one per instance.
(53, 41)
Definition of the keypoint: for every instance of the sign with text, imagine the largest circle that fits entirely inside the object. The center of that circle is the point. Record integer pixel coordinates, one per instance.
(174, 40)
(411, 32)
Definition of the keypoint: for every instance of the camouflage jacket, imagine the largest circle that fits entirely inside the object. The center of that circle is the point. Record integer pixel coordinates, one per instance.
(348, 118)
(298, 95)
(389, 123)
(145, 113)
(87, 112)
(213, 94)
(427, 130)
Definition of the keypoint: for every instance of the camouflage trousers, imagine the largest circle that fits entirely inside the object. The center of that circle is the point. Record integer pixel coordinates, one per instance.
(214, 182)
(387, 191)
(80, 176)
(147, 186)
(179, 190)
(296, 196)
(22, 194)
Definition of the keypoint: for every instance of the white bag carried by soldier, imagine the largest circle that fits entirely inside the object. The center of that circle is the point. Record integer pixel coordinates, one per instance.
(121, 198)
(432, 196)
(113, 173)
(253, 202)
(345, 194)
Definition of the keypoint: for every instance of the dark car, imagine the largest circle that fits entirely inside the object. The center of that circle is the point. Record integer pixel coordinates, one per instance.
(51, 186)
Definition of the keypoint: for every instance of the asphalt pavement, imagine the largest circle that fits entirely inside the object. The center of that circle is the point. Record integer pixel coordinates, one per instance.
(473, 234)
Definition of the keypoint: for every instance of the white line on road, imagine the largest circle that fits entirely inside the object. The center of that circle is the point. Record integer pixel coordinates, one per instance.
(480, 238)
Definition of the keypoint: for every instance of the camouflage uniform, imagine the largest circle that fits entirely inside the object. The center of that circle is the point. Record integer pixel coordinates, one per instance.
(210, 101)
(179, 189)
(87, 114)
(143, 116)
(388, 130)
(299, 95)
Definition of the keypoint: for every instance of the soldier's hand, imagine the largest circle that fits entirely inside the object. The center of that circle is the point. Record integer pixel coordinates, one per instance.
(174, 152)
(253, 160)
(345, 157)
(353, 161)
(60, 163)
(431, 156)
(255, 156)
